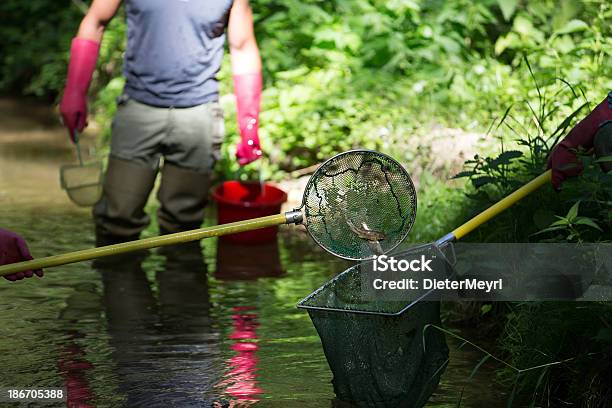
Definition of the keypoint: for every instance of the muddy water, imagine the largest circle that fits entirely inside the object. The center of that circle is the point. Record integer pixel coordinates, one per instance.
(190, 326)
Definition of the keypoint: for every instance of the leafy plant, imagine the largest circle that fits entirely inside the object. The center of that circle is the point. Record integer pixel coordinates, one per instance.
(491, 171)
(571, 225)
(538, 333)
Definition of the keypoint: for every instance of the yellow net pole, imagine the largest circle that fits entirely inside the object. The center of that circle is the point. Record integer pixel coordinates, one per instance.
(147, 243)
(502, 205)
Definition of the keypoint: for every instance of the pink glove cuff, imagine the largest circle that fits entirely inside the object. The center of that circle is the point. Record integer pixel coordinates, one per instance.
(247, 88)
(83, 58)
(583, 133)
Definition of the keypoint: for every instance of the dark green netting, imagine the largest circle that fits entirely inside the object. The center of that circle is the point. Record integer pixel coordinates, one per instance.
(359, 204)
(374, 347)
(379, 361)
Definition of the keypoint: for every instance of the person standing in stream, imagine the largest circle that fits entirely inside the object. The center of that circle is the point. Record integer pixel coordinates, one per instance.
(169, 107)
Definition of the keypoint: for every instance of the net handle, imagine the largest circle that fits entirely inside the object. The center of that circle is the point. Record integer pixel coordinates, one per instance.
(153, 242)
(501, 206)
(78, 148)
(291, 217)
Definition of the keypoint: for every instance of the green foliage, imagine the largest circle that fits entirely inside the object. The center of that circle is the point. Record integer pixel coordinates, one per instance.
(572, 226)
(485, 171)
(343, 74)
(536, 334)
(552, 31)
(535, 127)
(575, 334)
(35, 42)
(589, 219)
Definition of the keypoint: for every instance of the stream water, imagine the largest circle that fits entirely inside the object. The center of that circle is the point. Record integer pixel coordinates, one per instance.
(199, 325)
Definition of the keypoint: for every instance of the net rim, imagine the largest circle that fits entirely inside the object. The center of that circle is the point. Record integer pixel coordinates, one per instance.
(427, 297)
(63, 169)
(353, 151)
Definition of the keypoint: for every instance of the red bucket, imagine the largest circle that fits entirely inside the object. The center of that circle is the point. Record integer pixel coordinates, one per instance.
(237, 201)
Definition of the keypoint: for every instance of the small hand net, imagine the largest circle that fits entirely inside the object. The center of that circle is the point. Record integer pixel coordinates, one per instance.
(359, 204)
(83, 183)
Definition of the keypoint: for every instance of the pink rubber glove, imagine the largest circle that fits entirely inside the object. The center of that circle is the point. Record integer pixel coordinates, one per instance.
(83, 58)
(247, 88)
(13, 249)
(563, 160)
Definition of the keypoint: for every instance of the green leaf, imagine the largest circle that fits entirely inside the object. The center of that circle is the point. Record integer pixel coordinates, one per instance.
(573, 26)
(481, 181)
(563, 44)
(292, 74)
(449, 45)
(508, 41)
(573, 212)
(604, 159)
(562, 221)
(588, 222)
(463, 174)
(484, 309)
(508, 8)
(524, 26)
(550, 229)
(505, 158)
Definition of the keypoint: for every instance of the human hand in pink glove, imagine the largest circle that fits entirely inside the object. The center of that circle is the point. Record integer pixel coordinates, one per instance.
(13, 249)
(247, 88)
(563, 160)
(73, 108)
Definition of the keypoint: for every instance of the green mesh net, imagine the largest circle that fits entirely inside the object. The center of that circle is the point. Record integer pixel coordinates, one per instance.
(375, 347)
(359, 204)
(379, 361)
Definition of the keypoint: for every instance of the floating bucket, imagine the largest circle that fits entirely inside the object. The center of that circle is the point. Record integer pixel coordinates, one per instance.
(238, 201)
(380, 351)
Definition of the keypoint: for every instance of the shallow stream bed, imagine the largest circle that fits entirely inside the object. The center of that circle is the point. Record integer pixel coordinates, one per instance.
(188, 326)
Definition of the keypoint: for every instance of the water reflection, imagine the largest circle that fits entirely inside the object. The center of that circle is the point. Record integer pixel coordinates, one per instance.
(164, 345)
(240, 381)
(237, 262)
(247, 262)
(76, 368)
(73, 362)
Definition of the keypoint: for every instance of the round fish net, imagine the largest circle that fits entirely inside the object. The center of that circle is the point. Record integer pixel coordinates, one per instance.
(83, 183)
(359, 204)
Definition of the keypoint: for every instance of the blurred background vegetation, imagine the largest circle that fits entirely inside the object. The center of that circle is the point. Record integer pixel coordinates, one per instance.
(385, 74)
(347, 73)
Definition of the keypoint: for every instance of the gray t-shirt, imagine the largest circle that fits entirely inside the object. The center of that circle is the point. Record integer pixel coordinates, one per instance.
(174, 50)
